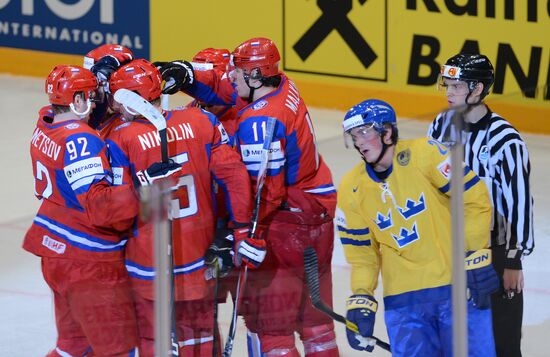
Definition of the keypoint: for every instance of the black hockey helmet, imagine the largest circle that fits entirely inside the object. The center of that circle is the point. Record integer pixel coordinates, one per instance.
(470, 68)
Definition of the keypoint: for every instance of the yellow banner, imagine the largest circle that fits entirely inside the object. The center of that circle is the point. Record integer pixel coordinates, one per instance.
(342, 51)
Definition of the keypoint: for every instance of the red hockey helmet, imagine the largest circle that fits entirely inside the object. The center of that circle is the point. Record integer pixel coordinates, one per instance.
(219, 58)
(140, 76)
(64, 82)
(260, 53)
(121, 53)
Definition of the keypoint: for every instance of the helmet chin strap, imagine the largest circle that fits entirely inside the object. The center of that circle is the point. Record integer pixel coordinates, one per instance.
(252, 89)
(380, 156)
(83, 114)
(384, 149)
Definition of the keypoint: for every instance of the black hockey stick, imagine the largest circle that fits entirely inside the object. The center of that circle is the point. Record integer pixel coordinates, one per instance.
(241, 282)
(216, 328)
(312, 279)
(133, 102)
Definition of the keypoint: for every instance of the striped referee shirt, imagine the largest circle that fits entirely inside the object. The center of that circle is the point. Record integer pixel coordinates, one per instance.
(495, 151)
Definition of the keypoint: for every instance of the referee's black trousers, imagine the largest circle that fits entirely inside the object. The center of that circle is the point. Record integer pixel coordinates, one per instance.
(507, 313)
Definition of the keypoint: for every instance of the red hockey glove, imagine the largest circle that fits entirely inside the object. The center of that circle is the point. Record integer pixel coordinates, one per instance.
(250, 251)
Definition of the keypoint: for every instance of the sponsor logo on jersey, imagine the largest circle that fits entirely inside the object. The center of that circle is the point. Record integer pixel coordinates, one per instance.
(254, 151)
(404, 157)
(83, 168)
(72, 126)
(483, 153)
(262, 103)
(53, 245)
(445, 168)
(117, 175)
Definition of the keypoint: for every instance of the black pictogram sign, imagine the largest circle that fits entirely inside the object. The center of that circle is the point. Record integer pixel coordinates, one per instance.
(335, 17)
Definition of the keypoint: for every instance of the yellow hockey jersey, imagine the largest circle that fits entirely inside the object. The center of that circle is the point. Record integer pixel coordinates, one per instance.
(401, 226)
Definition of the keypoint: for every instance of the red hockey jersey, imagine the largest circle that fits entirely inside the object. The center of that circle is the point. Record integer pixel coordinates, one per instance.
(197, 141)
(81, 214)
(294, 160)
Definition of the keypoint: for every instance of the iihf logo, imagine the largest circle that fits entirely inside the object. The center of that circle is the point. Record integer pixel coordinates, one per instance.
(483, 153)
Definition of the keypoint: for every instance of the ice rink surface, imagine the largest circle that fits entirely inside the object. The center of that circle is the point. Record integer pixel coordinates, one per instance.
(27, 325)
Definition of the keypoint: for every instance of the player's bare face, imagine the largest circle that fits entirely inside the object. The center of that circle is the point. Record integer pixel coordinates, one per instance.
(237, 78)
(456, 92)
(367, 140)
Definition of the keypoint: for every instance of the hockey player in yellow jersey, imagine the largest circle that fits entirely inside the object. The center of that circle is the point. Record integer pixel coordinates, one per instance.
(393, 218)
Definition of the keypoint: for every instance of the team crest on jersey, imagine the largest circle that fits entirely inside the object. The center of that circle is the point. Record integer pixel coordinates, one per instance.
(404, 157)
(412, 207)
(483, 153)
(383, 222)
(72, 126)
(262, 103)
(406, 236)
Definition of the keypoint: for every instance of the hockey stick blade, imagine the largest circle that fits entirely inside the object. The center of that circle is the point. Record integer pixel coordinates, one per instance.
(138, 104)
(133, 100)
(312, 280)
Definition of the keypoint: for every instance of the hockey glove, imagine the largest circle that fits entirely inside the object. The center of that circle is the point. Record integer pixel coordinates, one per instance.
(104, 67)
(250, 251)
(361, 312)
(482, 279)
(156, 171)
(177, 75)
(220, 251)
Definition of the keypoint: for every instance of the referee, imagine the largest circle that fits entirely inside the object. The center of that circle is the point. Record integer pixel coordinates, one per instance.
(494, 150)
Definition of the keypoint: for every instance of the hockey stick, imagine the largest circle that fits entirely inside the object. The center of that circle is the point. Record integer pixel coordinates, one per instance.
(241, 281)
(312, 278)
(215, 327)
(138, 104)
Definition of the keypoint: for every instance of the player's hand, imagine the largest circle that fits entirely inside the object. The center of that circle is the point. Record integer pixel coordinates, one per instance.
(220, 252)
(361, 312)
(177, 75)
(158, 170)
(482, 280)
(249, 250)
